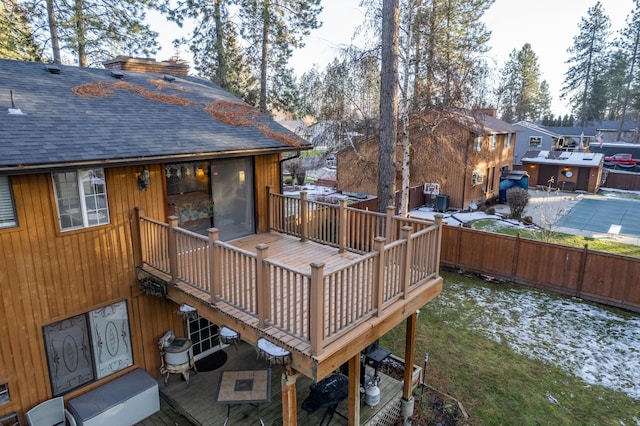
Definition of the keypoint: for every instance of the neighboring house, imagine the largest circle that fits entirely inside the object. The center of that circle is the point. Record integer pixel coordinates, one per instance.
(568, 171)
(532, 137)
(464, 153)
(606, 130)
(104, 173)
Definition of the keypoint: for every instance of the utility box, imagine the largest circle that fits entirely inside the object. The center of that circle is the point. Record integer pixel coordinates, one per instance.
(442, 203)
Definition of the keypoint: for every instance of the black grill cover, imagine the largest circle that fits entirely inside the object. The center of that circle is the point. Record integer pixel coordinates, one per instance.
(327, 392)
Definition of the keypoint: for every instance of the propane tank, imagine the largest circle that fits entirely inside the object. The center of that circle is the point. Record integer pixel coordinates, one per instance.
(372, 394)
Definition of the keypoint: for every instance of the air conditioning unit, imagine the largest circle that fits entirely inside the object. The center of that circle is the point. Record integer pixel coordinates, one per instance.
(477, 178)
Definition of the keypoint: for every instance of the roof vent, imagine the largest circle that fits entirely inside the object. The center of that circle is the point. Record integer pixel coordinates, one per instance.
(53, 69)
(168, 77)
(13, 110)
(117, 74)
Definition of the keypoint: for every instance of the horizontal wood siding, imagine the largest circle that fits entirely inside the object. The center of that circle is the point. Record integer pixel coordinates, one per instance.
(47, 275)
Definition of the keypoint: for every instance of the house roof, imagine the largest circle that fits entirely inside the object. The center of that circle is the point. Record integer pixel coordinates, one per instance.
(535, 128)
(84, 116)
(566, 158)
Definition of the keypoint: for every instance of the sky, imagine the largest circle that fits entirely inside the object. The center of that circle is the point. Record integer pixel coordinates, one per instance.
(548, 25)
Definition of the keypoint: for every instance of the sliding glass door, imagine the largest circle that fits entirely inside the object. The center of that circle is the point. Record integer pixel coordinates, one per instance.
(233, 197)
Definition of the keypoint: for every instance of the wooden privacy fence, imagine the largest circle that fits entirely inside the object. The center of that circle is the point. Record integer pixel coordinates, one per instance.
(591, 275)
(310, 305)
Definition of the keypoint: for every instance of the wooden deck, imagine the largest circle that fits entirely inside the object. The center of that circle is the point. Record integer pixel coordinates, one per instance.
(196, 401)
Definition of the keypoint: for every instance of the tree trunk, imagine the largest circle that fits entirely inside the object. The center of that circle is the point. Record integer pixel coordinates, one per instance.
(221, 71)
(388, 104)
(53, 29)
(81, 33)
(264, 59)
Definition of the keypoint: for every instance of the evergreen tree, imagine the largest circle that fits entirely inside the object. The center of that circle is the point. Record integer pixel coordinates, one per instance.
(587, 62)
(96, 30)
(215, 45)
(630, 45)
(615, 79)
(272, 29)
(16, 38)
(520, 89)
(543, 101)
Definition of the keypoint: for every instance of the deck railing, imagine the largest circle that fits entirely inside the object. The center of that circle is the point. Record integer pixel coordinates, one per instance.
(310, 304)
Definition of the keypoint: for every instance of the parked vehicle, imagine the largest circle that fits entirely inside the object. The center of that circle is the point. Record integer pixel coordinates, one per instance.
(621, 160)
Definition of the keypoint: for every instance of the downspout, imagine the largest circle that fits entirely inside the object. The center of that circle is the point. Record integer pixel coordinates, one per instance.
(282, 161)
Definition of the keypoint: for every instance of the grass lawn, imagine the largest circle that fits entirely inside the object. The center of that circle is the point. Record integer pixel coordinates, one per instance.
(613, 247)
(499, 385)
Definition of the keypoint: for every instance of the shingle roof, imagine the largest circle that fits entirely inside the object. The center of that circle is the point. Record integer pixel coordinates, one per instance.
(133, 123)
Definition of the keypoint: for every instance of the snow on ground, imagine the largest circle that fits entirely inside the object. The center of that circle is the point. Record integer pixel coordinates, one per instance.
(591, 342)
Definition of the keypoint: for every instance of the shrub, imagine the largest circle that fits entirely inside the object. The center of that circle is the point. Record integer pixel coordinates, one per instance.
(490, 210)
(517, 199)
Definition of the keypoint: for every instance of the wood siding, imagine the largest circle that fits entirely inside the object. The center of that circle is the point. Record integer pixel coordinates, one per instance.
(47, 275)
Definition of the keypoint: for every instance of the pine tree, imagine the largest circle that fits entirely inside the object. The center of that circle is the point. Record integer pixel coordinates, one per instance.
(630, 45)
(96, 30)
(272, 30)
(587, 62)
(615, 78)
(215, 45)
(16, 37)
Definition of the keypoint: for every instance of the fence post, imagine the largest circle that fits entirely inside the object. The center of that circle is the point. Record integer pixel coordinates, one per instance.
(303, 216)
(316, 308)
(438, 219)
(139, 252)
(378, 276)
(263, 285)
(516, 256)
(173, 249)
(581, 272)
(342, 226)
(405, 272)
(389, 233)
(214, 265)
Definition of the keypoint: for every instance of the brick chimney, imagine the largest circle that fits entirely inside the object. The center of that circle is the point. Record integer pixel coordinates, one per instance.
(127, 63)
(486, 111)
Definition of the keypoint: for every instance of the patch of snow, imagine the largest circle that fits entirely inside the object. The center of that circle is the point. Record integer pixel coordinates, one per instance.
(593, 343)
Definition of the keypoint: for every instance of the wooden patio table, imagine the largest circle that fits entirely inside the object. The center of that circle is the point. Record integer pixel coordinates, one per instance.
(237, 387)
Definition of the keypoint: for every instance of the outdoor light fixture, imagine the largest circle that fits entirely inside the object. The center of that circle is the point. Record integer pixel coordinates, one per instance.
(200, 172)
(143, 180)
(241, 176)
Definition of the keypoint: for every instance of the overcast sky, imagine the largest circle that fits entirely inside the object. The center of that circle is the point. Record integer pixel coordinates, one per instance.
(548, 25)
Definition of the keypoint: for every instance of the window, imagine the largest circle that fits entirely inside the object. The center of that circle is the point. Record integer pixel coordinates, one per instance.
(88, 347)
(477, 178)
(4, 394)
(7, 209)
(81, 197)
(507, 142)
(535, 141)
(477, 144)
(492, 142)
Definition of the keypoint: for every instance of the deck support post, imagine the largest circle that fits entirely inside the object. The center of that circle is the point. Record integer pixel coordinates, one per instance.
(378, 277)
(353, 413)
(409, 355)
(316, 308)
(173, 249)
(342, 226)
(389, 234)
(289, 397)
(405, 272)
(262, 285)
(304, 226)
(214, 265)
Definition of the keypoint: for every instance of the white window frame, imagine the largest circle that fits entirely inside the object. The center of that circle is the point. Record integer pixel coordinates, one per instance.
(8, 218)
(538, 140)
(493, 142)
(507, 141)
(477, 144)
(81, 198)
(477, 178)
